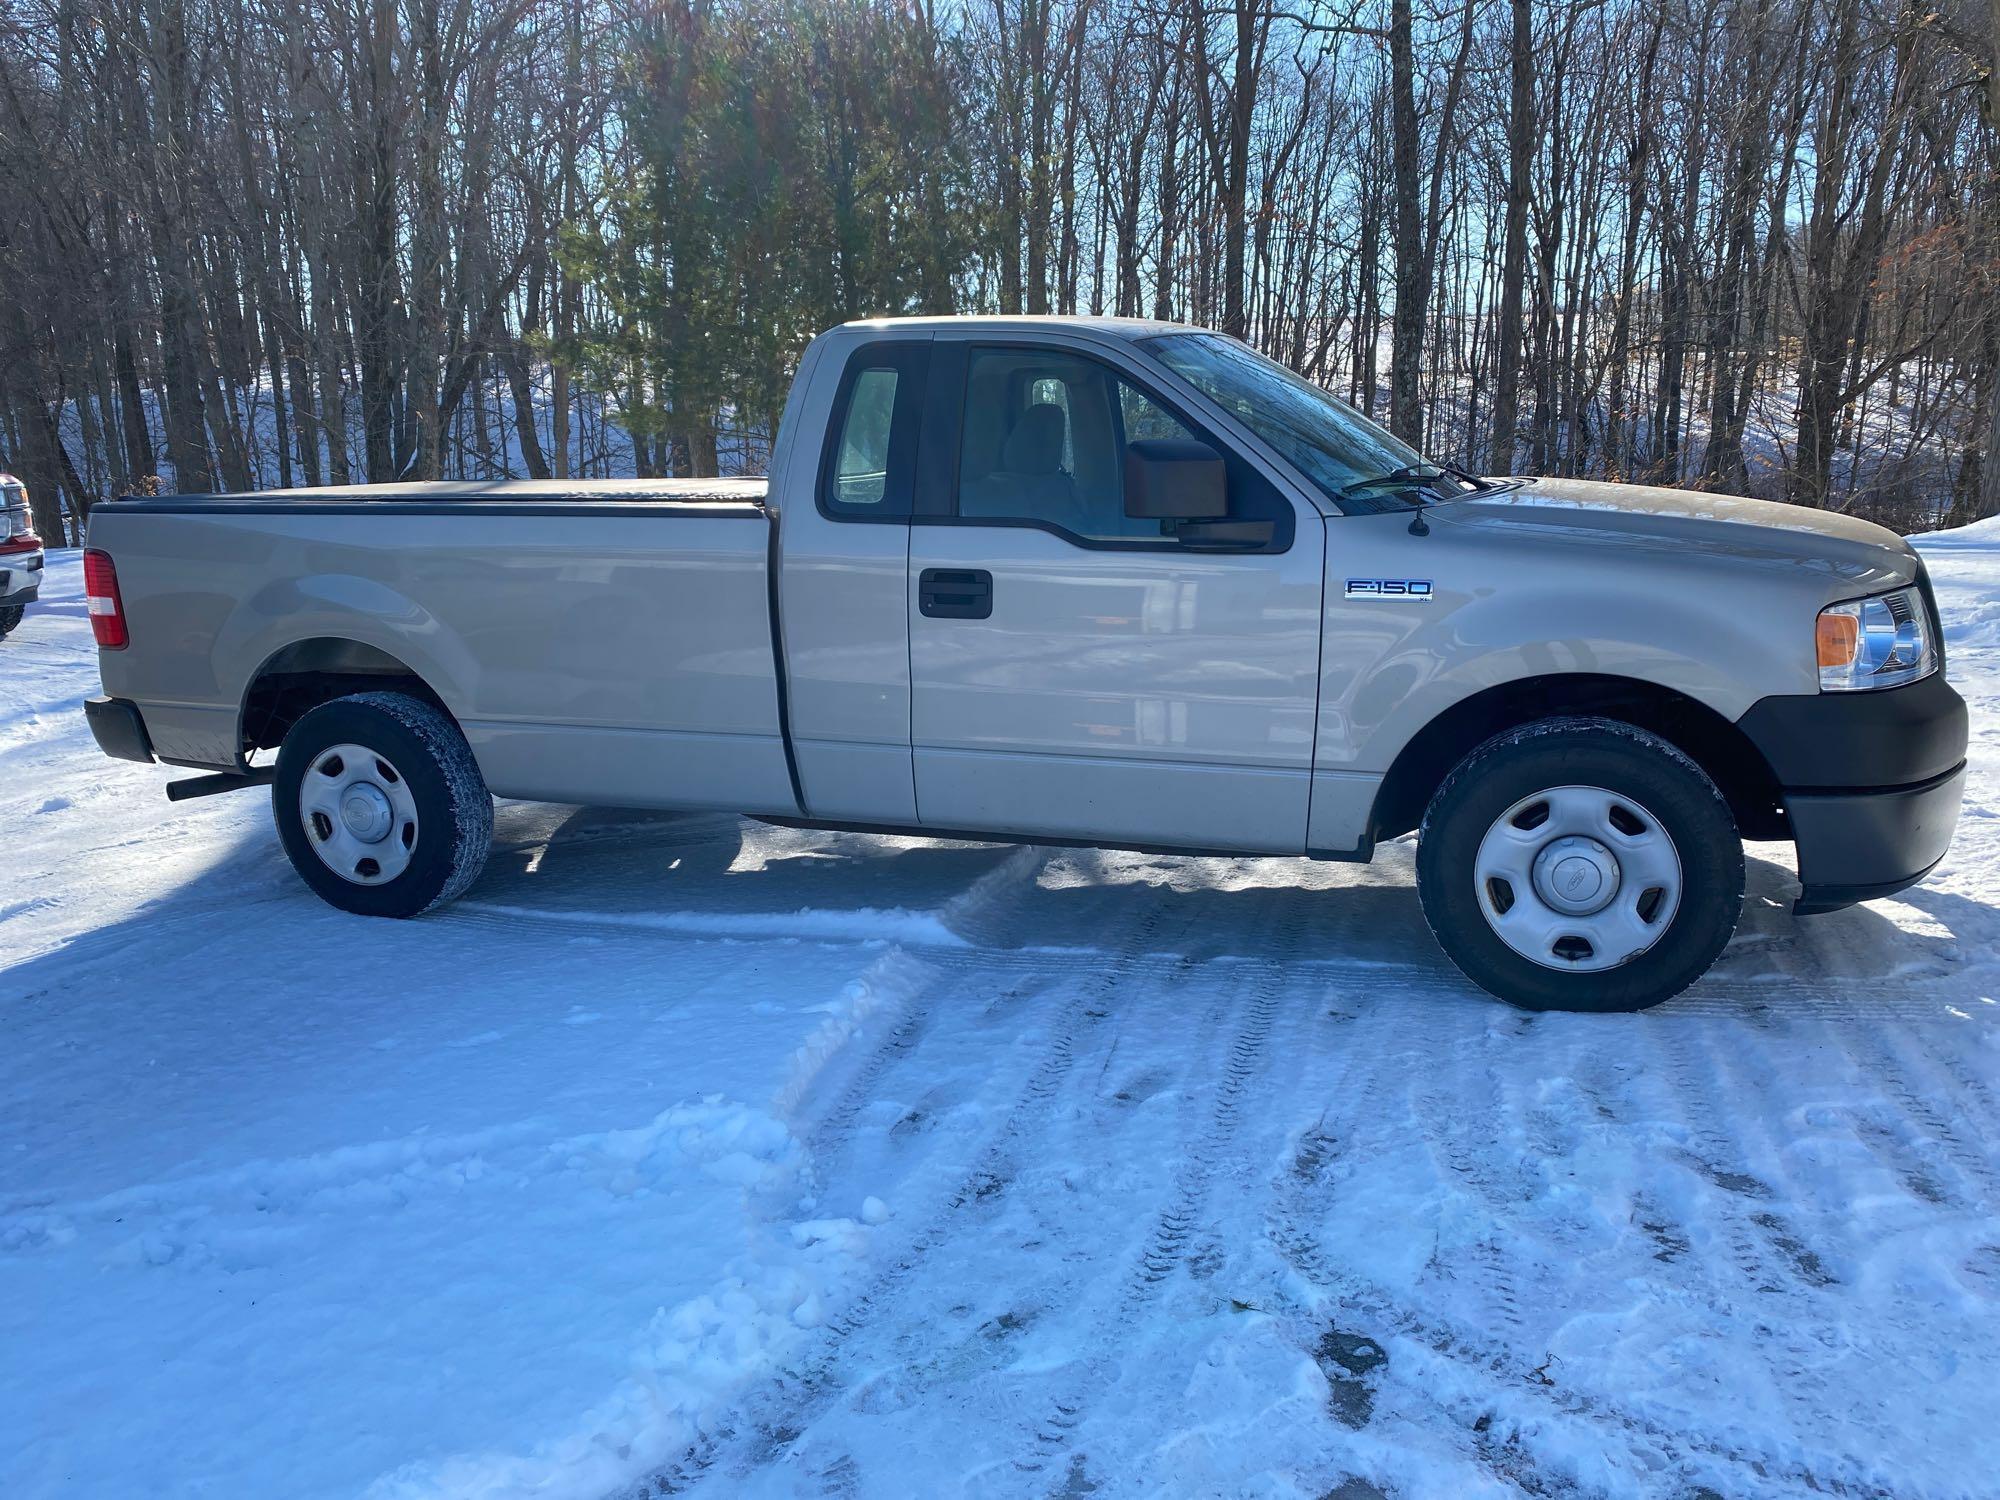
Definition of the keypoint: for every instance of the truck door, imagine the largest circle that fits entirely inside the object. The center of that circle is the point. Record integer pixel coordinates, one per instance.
(1081, 673)
(842, 574)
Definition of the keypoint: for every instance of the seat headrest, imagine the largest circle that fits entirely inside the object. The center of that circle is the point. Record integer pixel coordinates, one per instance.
(1036, 443)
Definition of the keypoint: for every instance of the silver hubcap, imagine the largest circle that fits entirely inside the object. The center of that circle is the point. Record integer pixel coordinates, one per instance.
(1578, 878)
(358, 814)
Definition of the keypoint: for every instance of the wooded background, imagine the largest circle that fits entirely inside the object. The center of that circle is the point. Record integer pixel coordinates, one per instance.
(1749, 245)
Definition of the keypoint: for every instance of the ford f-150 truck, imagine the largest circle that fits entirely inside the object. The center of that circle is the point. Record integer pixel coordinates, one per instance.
(1073, 581)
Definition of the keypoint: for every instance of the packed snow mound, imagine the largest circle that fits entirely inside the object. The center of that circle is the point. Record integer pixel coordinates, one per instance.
(1977, 534)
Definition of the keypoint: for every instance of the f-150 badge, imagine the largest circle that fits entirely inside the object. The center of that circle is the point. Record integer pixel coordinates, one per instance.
(1411, 590)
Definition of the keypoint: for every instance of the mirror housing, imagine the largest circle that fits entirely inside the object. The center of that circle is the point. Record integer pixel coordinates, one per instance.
(1174, 479)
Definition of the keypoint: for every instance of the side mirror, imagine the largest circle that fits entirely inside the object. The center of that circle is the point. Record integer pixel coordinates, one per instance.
(1174, 479)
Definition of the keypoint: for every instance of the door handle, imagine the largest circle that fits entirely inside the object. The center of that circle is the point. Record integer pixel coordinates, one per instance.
(955, 593)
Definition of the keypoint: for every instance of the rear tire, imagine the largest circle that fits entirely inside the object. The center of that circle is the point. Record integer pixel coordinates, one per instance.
(10, 617)
(381, 806)
(1580, 864)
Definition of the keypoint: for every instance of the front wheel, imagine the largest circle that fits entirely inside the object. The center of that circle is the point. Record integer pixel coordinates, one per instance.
(10, 617)
(381, 806)
(1580, 864)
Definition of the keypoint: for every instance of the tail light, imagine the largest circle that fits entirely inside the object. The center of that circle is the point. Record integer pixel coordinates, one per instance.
(17, 530)
(107, 610)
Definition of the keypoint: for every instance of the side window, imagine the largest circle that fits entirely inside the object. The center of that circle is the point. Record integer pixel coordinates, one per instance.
(1145, 417)
(867, 471)
(1044, 441)
(861, 461)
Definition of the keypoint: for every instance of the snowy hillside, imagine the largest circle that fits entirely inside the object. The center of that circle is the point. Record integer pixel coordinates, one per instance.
(691, 1156)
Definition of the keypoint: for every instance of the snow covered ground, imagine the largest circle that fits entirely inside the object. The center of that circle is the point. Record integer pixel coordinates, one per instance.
(691, 1156)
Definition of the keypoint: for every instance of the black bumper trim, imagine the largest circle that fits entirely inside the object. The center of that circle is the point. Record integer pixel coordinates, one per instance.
(1860, 845)
(1893, 737)
(1818, 900)
(119, 729)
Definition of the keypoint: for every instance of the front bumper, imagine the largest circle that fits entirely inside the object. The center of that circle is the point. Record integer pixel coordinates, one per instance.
(20, 578)
(1855, 846)
(1871, 782)
(119, 729)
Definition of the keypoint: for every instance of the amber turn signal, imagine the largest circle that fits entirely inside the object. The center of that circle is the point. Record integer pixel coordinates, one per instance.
(1839, 639)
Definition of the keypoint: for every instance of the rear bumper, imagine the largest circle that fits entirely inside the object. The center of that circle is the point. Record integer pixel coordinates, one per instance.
(1871, 783)
(119, 729)
(20, 578)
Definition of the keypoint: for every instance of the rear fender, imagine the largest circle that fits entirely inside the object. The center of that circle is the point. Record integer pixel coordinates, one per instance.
(341, 607)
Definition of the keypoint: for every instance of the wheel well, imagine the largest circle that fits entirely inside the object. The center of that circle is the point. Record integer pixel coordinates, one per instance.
(307, 673)
(1725, 752)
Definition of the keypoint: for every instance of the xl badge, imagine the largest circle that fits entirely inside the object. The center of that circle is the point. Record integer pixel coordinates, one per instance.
(1411, 590)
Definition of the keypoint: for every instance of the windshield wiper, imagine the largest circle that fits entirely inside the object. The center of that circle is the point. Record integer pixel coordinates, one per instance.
(1408, 476)
(1414, 474)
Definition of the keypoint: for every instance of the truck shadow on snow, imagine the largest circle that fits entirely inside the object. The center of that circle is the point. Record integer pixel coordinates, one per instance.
(699, 874)
(695, 872)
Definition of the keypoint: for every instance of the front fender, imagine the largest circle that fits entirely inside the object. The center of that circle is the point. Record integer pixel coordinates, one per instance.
(1723, 631)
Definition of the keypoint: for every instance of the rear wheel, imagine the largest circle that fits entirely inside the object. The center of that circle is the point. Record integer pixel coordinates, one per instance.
(1580, 864)
(381, 806)
(10, 617)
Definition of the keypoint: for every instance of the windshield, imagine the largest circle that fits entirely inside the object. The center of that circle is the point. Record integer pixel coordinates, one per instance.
(1321, 436)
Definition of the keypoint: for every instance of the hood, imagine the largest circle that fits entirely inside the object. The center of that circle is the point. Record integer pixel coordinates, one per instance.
(1653, 517)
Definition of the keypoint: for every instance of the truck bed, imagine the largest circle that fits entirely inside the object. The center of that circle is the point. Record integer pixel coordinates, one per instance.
(599, 641)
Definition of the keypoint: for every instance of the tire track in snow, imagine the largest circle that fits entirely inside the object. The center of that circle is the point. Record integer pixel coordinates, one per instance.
(1718, 1157)
(1335, 1301)
(1346, 1299)
(1779, 1276)
(797, 1395)
(1885, 1061)
(1303, 1207)
(1458, 1113)
(1605, 1081)
(831, 1136)
(1200, 1158)
(1462, 1116)
(1986, 1105)
(1766, 1094)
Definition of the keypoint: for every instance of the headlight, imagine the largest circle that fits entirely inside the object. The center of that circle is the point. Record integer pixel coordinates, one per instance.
(1882, 642)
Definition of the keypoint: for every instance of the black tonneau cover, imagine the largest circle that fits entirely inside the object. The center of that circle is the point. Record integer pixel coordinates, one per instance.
(658, 496)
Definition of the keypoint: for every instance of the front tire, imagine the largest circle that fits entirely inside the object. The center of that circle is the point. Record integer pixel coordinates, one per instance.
(380, 805)
(10, 617)
(1580, 864)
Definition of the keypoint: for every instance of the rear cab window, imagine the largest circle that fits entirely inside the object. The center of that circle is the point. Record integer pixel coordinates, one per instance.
(868, 467)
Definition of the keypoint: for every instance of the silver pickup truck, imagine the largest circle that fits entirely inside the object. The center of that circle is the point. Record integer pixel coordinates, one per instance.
(1073, 580)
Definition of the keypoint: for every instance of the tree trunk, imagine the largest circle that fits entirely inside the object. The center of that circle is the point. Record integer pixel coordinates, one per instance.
(1514, 264)
(1406, 411)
